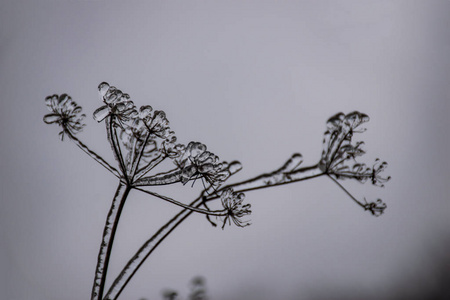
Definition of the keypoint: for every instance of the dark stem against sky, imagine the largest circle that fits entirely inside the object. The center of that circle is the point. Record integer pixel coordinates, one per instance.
(255, 81)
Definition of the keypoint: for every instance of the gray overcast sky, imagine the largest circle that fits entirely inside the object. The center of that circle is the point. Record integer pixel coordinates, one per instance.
(255, 81)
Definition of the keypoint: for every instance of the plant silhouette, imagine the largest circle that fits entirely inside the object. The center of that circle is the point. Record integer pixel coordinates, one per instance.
(141, 139)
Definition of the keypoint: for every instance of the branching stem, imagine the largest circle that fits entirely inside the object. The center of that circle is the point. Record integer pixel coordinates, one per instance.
(347, 192)
(119, 152)
(138, 159)
(110, 136)
(149, 167)
(270, 179)
(124, 115)
(93, 155)
(217, 213)
(143, 253)
(291, 175)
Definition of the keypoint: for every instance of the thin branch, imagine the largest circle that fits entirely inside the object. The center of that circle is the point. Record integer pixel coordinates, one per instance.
(353, 175)
(138, 159)
(218, 213)
(132, 152)
(143, 253)
(150, 166)
(169, 177)
(110, 136)
(119, 151)
(347, 192)
(150, 245)
(276, 178)
(93, 155)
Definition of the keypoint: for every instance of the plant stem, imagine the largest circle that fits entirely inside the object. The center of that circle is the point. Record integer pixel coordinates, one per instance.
(135, 163)
(93, 155)
(143, 253)
(141, 172)
(347, 192)
(109, 232)
(217, 213)
(256, 183)
(119, 152)
(115, 148)
(271, 179)
(169, 177)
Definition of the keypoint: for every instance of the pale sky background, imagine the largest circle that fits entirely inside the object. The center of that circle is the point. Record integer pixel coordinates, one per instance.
(255, 81)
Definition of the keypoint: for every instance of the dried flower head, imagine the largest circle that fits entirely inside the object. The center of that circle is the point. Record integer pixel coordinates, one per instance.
(150, 124)
(340, 153)
(149, 136)
(65, 112)
(197, 162)
(232, 203)
(142, 135)
(377, 168)
(337, 142)
(117, 104)
(137, 127)
(157, 124)
(376, 208)
(170, 148)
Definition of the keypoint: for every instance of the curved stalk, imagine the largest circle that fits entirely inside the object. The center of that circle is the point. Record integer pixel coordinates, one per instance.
(109, 232)
(278, 177)
(347, 192)
(141, 172)
(143, 253)
(217, 213)
(150, 245)
(119, 152)
(169, 177)
(115, 148)
(93, 155)
(132, 159)
(135, 162)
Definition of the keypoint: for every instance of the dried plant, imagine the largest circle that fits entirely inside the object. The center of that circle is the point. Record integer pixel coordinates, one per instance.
(141, 139)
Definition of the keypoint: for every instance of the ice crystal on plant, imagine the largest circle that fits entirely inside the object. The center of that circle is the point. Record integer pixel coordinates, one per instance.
(232, 203)
(377, 168)
(337, 141)
(65, 112)
(157, 124)
(141, 136)
(117, 104)
(150, 124)
(376, 208)
(339, 155)
(196, 161)
(170, 149)
(152, 129)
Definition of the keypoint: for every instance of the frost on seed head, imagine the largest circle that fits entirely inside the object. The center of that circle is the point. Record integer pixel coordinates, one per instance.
(143, 134)
(337, 142)
(340, 153)
(376, 208)
(117, 104)
(196, 162)
(232, 203)
(65, 112)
